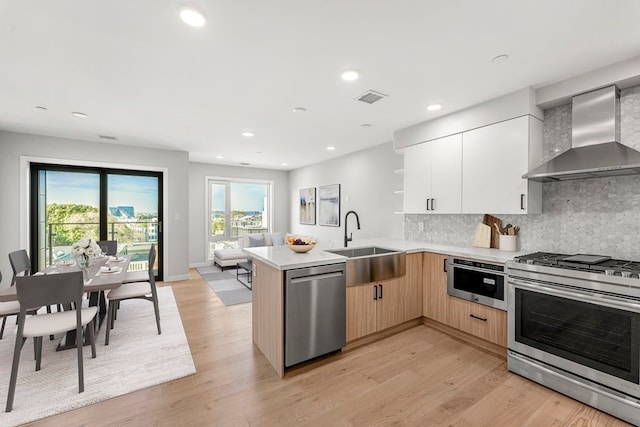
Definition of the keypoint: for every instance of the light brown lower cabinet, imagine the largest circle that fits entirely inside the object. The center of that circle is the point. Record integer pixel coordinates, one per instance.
(376, 306)
(479, 320)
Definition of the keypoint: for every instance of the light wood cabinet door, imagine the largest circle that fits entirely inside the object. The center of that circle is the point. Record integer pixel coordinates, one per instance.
(479, 320)
(390, 304)
(401, 299)
(380, 305)
(435, 298)
(413, 287)
(361, 311)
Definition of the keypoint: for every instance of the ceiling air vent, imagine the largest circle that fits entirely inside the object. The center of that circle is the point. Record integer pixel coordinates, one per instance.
(111, 138)
(245, 164)
(371, 96)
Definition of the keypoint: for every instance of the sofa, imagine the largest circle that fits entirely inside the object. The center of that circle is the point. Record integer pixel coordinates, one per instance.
(232, 256)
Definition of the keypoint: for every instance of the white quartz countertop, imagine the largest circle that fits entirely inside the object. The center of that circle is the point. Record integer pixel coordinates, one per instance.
(283, 258)
(409, 246)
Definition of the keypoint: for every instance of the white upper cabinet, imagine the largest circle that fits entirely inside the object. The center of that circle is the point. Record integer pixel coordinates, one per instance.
(433, 176)
(494, 158)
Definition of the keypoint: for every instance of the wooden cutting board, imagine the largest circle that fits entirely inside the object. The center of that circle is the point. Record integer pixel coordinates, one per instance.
(495, 236)
(482, 238)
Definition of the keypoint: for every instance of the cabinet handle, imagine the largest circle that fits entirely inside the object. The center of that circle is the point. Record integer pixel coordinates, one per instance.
(427, 204)
(522, 201)
(444, 265)
(432, 208)
(380, 291)
(484, 319)
(375, 292)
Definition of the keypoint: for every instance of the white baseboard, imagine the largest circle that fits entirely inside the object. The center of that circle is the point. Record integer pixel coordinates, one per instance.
(201, 264)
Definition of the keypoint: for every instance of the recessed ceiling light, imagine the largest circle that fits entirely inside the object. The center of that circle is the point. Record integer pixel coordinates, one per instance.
(41, 108)
(557, 150)
(500, 58)
(365, 125)
(434, 107)
(284, 164)
(331, 148)
(248, 133)
(192, 16)
(79, 114)
(350, 75)
(299, 110)
(219, 157)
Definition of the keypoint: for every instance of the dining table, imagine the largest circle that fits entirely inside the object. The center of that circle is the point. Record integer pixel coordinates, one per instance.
(105, 273)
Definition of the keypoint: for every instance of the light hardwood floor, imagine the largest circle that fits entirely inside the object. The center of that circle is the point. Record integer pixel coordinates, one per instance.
(420, 376)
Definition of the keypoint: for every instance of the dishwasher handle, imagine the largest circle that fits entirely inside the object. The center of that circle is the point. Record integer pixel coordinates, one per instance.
(315, 277)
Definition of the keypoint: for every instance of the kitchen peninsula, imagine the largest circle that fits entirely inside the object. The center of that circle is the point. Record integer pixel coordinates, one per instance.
(270, 264)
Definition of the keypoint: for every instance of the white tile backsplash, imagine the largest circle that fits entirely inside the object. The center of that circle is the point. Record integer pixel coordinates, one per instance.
(595, 216)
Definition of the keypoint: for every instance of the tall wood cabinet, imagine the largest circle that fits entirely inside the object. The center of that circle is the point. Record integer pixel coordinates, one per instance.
(376, 306)
(479, 320)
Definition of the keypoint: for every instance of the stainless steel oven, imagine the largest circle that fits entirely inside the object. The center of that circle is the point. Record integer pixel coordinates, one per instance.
(577, 330)
(479, 281)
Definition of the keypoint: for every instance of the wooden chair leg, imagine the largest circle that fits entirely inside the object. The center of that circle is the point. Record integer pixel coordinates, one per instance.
(51, 337)
(4, 322)
(92, 338)
(38, 343)
(157, 310)
(14, 368)
(109, 322)
(79, 344)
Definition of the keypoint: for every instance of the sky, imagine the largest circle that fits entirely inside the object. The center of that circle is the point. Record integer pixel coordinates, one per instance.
(244, 196)
(141, 192)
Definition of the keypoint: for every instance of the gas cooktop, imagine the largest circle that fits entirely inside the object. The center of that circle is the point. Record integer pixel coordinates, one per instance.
(591, 263)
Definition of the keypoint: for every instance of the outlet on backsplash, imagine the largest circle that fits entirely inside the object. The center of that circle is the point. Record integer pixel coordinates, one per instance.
(421, 226)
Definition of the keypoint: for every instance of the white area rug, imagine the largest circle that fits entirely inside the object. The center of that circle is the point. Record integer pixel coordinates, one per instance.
(136, 358)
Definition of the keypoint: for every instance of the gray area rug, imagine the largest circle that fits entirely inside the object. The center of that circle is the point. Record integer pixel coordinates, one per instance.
(225, 285)
(136, 358)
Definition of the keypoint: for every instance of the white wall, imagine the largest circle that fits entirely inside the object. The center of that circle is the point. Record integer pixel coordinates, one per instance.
(367, 181)
(14, 192)
(198, 240)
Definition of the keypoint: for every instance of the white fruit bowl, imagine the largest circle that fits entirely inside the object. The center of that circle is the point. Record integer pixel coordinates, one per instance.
(301, 248)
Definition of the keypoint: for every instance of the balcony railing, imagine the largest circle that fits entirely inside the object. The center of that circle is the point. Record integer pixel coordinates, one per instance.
(134, 238)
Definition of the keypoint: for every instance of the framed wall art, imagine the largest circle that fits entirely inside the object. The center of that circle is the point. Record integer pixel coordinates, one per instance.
(308, 206)
(329, 205)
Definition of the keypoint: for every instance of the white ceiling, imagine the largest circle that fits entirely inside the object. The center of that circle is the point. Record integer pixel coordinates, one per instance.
(146, 78)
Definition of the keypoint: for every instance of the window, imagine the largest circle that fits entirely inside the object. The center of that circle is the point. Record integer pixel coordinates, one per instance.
(236, 208)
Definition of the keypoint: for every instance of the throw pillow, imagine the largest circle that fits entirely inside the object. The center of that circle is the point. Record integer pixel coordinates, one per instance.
(277, 240)
(255, 241)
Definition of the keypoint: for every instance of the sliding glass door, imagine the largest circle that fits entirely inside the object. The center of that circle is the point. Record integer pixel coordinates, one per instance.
(71, 202)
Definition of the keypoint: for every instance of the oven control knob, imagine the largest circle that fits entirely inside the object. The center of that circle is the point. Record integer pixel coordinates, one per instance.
(609, 272)
(626, 274)
(530, 261)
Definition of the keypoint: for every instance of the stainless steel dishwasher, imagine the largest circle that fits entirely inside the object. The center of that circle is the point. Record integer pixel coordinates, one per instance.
(315, 312)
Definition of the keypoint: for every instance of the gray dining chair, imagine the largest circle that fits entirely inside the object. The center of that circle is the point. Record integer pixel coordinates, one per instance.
(135, 290)
(9, 308)
(63, 288)
(111, 246)
(21, 265)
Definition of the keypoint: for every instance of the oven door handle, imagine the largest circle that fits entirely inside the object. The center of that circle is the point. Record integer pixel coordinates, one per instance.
(577, 295)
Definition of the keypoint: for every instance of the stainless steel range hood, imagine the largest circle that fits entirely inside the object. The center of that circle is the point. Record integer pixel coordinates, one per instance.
(595, 147)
